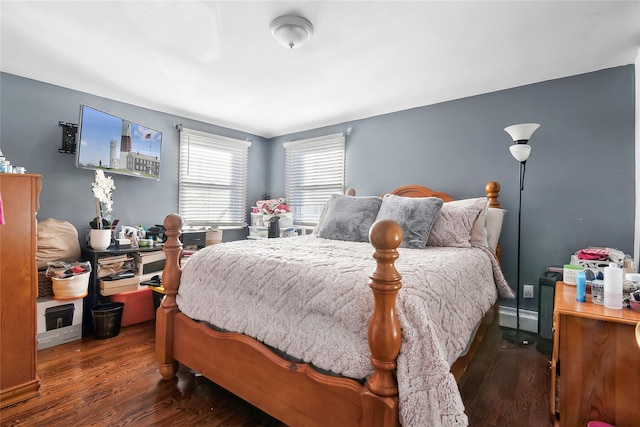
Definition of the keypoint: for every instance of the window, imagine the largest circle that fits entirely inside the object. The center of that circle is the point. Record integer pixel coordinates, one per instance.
(314, 170)
(213, 179)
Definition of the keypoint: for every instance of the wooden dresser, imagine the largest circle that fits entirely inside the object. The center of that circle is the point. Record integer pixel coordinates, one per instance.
(18, 288)
(595, 366)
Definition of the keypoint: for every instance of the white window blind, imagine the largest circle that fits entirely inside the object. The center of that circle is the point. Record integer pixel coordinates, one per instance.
(314, 170)
(213, 179)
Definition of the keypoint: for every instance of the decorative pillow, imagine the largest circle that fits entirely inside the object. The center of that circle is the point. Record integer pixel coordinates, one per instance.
(454, 223)
(479, 231)
(349, 217)
(414, 214)
(493, 224)
(321, 217)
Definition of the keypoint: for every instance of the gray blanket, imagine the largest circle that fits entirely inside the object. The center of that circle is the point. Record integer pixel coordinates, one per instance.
(309, 297)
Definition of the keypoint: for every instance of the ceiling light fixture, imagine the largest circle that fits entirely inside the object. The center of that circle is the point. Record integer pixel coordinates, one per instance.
(291, 31)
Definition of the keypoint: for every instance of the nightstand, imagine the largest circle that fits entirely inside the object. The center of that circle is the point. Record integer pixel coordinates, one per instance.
(595, 365)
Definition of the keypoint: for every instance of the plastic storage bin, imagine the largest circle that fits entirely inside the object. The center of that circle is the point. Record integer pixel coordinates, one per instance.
(258, 232)
(138, 306)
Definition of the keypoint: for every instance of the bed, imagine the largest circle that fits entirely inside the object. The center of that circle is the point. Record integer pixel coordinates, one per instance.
(292, 327)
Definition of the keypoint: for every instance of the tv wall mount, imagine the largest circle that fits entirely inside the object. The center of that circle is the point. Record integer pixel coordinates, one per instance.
(69, 132)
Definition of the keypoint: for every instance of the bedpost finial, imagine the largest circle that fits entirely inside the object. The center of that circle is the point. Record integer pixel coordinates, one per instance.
(385, 234)
(492, 187)
(493, 191)
(173, 222)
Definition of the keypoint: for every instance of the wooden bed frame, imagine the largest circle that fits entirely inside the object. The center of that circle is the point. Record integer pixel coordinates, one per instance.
(296, 393)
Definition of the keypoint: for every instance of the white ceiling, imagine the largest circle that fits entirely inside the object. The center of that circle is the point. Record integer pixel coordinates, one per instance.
(216, 61)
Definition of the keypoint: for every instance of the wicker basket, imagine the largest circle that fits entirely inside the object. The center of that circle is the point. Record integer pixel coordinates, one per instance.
(45, 286)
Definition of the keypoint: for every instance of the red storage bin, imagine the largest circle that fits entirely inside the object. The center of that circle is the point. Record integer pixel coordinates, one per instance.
(138, 306)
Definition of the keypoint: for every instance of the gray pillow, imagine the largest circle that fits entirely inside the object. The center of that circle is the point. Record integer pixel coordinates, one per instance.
(414, 214)
(349, 217)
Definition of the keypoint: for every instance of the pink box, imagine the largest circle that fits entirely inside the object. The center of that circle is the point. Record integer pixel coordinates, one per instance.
(138, 306)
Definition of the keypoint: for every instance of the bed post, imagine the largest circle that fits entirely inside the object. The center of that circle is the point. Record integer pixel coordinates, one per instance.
(493, 190)
(380, 395)
(166, 312)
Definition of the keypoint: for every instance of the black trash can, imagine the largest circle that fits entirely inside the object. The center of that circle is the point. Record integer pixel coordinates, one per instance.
(106, 319)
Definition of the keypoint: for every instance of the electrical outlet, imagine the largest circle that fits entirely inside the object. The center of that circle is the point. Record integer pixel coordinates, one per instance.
(527, 291)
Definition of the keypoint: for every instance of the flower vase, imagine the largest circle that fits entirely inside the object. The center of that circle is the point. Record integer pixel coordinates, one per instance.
(100, 239)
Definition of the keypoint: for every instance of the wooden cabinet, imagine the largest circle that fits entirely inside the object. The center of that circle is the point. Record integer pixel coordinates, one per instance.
(18, 288)
(595, 363)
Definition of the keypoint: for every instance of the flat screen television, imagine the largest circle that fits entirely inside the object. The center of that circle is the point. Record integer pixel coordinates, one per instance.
(117, 145)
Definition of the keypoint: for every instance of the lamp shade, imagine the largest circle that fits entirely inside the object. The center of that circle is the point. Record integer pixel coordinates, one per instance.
(521, 132)
(520, 152)
(291, 31)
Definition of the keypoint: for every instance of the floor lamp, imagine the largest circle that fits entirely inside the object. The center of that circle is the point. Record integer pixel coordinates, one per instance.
(521, 151)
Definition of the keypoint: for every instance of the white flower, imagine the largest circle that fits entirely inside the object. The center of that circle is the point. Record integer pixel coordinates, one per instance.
(102, 187)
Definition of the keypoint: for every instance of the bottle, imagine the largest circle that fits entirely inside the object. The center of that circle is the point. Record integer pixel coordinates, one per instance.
(581, 286)
(613, 286)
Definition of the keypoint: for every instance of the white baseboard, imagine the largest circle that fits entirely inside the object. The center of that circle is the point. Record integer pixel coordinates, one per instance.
(528, 319)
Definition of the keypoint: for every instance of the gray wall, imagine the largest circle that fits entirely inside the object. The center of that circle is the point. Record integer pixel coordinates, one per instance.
(30, 136)
(579, 186)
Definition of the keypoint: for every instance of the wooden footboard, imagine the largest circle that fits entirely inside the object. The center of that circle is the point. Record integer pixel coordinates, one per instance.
(294, 393)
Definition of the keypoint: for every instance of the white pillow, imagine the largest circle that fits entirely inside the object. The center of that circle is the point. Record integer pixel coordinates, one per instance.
(493, 224)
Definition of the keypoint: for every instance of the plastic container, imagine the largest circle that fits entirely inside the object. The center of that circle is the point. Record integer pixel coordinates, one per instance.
(581, 286)
(256, 219)
(259, 232)
(138, 306)
(613, 286)
(597, 292)
(106, 319)
(214, 237)
(569, 273)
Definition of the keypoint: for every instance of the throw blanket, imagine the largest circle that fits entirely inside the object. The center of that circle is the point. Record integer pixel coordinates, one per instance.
(309, 297)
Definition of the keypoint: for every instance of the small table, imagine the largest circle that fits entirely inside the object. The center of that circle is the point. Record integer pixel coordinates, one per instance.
(600, 374)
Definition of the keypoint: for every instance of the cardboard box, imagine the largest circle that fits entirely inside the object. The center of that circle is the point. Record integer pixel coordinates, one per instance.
(138, 306)
(59, 321)
(112, 287)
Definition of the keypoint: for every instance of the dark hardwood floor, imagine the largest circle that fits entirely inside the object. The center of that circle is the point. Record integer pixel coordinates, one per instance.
(115, 382)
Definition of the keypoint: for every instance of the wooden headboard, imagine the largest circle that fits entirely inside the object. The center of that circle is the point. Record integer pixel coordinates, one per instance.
(492, 189)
